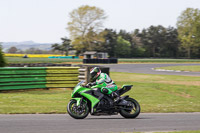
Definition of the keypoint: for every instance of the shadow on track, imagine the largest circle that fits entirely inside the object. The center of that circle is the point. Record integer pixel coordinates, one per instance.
(107, 118)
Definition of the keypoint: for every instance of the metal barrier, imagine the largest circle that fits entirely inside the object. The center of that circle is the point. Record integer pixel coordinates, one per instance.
(38, 77)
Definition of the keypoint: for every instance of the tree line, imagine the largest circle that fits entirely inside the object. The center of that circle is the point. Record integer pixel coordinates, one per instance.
(86, 34)
(155, 41)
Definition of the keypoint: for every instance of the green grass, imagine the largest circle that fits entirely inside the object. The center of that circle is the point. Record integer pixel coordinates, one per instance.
(149, 60)
(34, 101)
(182, 68)
(47, 60)
(197, 131)
(155, 93)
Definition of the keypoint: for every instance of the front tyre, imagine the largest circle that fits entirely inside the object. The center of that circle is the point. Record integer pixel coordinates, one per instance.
(77, 112)
(135, 110)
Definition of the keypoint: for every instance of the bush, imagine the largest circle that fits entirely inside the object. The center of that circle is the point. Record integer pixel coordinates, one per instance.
(2, 60)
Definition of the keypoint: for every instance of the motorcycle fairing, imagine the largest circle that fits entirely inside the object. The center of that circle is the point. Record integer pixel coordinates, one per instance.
(90, 97)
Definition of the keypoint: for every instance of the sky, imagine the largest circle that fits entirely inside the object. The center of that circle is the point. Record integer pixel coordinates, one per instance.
(45, 21)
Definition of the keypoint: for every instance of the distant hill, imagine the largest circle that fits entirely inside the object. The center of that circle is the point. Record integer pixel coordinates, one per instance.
(26, 45)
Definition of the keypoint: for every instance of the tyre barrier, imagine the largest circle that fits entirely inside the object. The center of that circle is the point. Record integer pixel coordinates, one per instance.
(36, 65)
(101, 61)
(12, 78)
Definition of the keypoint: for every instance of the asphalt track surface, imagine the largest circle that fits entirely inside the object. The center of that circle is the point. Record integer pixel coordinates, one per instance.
(148, 69)
(63, 123)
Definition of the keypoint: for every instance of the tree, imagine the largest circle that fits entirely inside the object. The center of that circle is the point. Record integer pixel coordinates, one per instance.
(138, 49)
(95, 42)
(171, 44)
(91, 42)
(85, 20)
(188, 29)
(34, 51)
(110, 41)
(64, 47)
(153, 39)
(12, 50)
(123, 47)
(156, 41)
(2, 60)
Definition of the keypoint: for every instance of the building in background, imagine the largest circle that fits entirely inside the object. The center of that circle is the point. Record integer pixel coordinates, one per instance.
(95, 55)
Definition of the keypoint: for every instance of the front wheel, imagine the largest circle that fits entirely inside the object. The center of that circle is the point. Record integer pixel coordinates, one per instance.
(135, 110)
(77, 112)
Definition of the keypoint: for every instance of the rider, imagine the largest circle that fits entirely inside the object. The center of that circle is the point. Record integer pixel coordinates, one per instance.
(102, 78)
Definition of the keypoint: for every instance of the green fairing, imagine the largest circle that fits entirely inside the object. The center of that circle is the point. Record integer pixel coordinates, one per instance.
(82, 90)
(79, 89)
(93, 100)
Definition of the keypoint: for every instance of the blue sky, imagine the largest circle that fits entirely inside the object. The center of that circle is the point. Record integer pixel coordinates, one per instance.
(45, 21)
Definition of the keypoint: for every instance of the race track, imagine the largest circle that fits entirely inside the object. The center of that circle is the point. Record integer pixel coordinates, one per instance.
(148, 69)
(63, 123)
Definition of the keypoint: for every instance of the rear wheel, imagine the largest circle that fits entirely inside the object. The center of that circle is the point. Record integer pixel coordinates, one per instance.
(77, 112)
(131, 113)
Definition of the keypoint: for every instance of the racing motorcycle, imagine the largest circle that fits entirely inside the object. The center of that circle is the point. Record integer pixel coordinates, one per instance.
(87, 100)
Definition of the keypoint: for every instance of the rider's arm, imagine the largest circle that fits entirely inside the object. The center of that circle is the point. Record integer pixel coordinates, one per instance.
(98, 82)
(102, 79)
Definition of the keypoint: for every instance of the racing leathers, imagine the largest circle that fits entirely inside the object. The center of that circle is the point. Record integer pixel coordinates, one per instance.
(108, 86)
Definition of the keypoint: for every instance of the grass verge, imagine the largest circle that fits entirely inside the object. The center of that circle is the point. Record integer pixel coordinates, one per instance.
(195, 131)
(182, 68)
(149, 60)
(155, 93)
(34, 101)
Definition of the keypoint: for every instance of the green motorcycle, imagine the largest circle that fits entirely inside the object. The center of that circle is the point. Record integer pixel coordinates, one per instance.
(91, 100)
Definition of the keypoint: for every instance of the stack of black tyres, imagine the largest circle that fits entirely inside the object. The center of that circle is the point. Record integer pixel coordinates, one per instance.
(101, 61)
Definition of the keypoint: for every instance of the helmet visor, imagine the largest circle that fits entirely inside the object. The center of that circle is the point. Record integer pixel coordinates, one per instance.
(93, 74)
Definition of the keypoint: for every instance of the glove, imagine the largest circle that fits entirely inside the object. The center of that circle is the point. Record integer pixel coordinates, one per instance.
(87, 86)
(90, 84)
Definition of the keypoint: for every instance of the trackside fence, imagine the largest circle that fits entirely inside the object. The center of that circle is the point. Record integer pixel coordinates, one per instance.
(12, 78)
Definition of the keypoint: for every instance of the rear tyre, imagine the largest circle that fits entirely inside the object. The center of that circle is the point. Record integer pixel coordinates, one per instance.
(134, 112)
(77, 112)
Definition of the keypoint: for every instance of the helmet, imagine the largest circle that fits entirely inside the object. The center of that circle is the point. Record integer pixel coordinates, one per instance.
(95, 72)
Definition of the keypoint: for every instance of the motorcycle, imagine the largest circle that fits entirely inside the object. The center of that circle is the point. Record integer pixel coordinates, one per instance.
(87, 100)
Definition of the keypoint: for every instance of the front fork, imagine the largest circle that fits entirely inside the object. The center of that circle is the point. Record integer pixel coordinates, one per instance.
(79, 106)
(78, 101)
